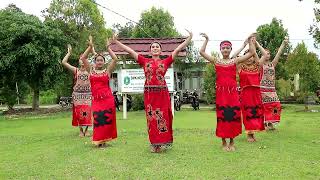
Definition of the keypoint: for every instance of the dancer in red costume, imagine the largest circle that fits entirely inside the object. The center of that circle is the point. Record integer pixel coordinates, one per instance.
(103, 107)
(227, 98)
(270, 100)
(250, 96)
(81, 96)
(156, 95)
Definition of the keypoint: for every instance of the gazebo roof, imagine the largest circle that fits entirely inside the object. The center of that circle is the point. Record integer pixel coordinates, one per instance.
(142, 45)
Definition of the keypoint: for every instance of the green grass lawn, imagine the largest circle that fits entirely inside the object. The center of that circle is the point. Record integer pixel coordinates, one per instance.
(47, 147)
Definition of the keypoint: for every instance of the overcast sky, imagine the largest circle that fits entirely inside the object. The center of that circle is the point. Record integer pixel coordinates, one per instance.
(220, 19)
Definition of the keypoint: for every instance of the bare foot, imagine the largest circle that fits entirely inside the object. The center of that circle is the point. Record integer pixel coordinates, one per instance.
(87, 133)
(102, 146)
(155, 149)
(270, 127)
(232, 147)
(81, 134)
(250, 138)
(225, 148)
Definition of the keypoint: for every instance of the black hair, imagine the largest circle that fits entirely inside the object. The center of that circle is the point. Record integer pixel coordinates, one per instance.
(156, 43)
(97, 55)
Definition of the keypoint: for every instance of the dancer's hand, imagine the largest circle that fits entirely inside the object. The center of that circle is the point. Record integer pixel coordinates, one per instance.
(109, 42)
(69, 49)
(190, 33)
(204, 35)
(90, 41)
(114, 37)
(286, 40)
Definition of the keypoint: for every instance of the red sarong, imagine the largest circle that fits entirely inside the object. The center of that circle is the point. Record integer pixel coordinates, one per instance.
(81, 97)
(252, 109)
(157, 100)
(250, 98)
(227, 102)
(103, 108)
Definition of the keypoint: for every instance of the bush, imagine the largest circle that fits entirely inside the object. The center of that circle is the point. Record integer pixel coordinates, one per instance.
(283, 88)
(301, 97)
(137, 102)
(46, 97)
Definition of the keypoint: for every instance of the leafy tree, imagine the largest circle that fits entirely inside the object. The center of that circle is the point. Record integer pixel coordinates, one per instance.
(314, 28)
(155, 23)
(77, 19)
(270, 36)
(210, 80)
(306, 64)
(125, 31)
(30, 51)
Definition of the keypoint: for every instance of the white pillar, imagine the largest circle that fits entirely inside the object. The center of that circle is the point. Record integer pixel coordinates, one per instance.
(296, 82)
(172, 103)
(124, 106)
(17, 91)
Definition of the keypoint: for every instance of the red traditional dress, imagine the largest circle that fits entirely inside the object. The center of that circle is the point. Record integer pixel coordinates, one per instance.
(251, 103)
(227, 102)
(157, 100)
(270, 100)
(103, 107)
(81, 98)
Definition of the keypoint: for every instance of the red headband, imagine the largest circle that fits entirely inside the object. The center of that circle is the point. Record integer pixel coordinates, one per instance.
(226, 43)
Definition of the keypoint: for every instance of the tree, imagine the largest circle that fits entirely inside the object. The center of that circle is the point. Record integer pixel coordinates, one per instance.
(30, 51)
(125, 31)
(314, 28)
(210, 80)
(155, 23)
(8, 94)
(271, 36)
(306, 64)
(77, 19)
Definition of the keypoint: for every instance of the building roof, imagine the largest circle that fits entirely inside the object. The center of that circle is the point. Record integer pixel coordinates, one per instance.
(142, 45)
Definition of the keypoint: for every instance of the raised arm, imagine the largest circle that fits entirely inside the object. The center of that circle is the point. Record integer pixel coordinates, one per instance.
(84, 56)
(277, 57)
(250, 53)
(65, 60)
(94, 51)
(203, 49)
(182, 45)
(114, 60)
(127, 49)
(263, 51)
(237, 52)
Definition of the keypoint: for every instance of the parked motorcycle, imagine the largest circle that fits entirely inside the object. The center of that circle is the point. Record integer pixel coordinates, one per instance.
(177, 101)
(65, 102)
(195, 100)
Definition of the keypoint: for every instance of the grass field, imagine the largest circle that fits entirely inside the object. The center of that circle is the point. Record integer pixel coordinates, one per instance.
(47, 147)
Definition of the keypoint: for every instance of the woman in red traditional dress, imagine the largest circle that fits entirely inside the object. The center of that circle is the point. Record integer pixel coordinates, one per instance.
(103, 107)
(81, 96)
(156, 95)
(250, 96)
(227, 98)
(270, 100)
